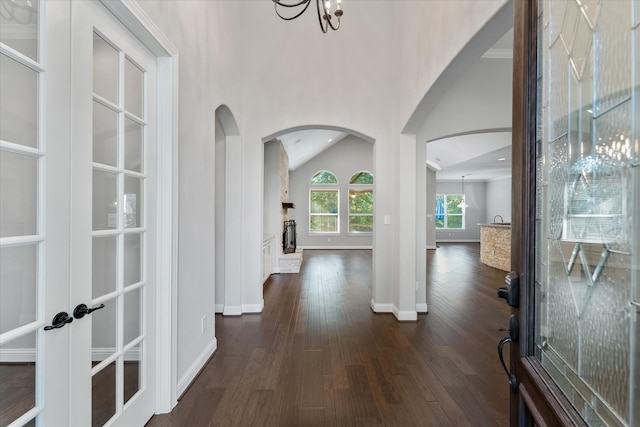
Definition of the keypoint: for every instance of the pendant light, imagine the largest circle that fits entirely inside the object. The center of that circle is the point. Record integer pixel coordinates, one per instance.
(463, 203)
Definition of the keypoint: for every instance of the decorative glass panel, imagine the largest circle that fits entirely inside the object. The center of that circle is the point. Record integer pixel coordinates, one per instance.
(324, 177)
(587, 225)
(18, 103)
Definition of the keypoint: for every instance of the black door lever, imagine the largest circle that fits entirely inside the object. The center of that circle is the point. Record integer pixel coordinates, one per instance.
(513, 337)
(59, 320)
(82, 309)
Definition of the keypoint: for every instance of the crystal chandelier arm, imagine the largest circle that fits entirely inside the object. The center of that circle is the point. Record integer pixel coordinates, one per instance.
(277, 3)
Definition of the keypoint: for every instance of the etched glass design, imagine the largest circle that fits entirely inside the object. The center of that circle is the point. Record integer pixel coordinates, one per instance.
(587, 207)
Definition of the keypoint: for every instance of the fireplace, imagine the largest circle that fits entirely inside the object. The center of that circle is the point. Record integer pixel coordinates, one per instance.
(289, 237)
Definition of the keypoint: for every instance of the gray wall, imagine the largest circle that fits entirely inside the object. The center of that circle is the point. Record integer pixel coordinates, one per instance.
(475, 193)
(272, 202)
(499, 199)
(344, 158)
(431, 209)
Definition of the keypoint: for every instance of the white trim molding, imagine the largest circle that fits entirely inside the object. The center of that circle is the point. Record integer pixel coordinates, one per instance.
(405, 315)
(232, 310)
(381, 308)
(219, 308)
(196, 367)
(422, 307)
(341, 247)
(253, 308)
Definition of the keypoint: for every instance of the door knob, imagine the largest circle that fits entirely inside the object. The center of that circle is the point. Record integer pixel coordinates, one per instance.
(82, 309)
(59, 320)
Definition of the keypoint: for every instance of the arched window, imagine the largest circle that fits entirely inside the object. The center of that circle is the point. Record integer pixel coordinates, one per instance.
(361, 203)
(324, 203)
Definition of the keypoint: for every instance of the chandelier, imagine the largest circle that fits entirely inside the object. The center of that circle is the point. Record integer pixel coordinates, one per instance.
(324, 11)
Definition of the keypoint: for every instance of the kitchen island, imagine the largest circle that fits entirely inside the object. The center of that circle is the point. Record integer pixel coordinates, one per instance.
(495, 245)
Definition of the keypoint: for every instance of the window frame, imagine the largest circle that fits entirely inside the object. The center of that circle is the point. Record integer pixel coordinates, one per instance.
(359, 187)
(446, 215)
(325, 188)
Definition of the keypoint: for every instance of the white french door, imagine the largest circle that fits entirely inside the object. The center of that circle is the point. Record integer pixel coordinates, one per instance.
(77, 218)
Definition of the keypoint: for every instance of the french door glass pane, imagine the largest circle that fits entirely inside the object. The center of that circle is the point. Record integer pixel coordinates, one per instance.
(17, 377)
(103, 395)
(133, 88)
(18, 194)
(105, 200)
(106, 60)
(132, 258)
(105, 135)
(18, 286)
(18, 103)
(132, 315)
(132, 372)
(104, 265)
(133, 202)
(587, 213)
(133, 155)
(19, 26)
(103, 331)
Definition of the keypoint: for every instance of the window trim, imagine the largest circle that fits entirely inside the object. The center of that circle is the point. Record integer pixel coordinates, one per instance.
(324, 188)
(463, 214)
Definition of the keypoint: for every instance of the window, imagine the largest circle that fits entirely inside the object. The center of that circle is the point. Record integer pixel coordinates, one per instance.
(324, 196)
(448, 214)
(361, 203)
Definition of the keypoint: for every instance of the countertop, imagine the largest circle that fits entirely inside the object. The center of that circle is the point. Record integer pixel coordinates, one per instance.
(496, 224)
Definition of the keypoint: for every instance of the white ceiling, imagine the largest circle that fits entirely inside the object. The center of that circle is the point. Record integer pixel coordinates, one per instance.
(474, 155)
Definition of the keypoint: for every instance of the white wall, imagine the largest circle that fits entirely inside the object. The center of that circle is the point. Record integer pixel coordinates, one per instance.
(475, 197)
(272, 202)
(220, 219)
(498, 199)
(343, 159)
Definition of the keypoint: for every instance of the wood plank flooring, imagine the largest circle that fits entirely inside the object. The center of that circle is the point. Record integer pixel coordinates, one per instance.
(318, 355)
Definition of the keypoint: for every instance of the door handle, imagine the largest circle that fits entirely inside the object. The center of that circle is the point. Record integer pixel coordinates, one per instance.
(512, 338)
(82, 309)
(59, 320)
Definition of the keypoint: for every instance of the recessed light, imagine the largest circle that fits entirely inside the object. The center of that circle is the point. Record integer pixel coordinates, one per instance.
(502, 158)
(330, 139)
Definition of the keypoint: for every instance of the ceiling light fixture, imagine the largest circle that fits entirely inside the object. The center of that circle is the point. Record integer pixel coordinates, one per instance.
(502, 159)
(462, 204)
(324, 11)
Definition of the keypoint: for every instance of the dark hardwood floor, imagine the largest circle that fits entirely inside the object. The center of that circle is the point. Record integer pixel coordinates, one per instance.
(318, 355)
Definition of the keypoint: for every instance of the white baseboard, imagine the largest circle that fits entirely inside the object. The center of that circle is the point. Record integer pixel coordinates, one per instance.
(422, 308)
(219, 308)
(28, 355)
(196, 366)
(339, 247)
(381, 308)
(253, 308)
(232, 310)
(405, 315)
(429, 247)
(18, 355)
